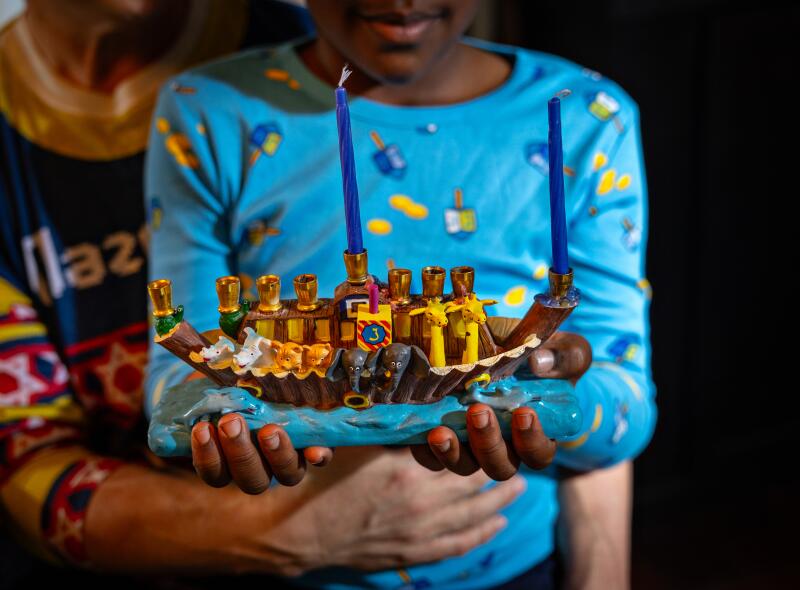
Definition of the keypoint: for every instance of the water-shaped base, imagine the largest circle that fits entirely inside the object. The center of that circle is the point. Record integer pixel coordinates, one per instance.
(184, 405)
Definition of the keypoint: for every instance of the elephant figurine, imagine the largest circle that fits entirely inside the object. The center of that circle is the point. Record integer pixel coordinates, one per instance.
(390, 363)
(350, 364)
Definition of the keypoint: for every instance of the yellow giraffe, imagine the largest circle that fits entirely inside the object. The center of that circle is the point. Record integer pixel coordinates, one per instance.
(474, 316)
(436, 315)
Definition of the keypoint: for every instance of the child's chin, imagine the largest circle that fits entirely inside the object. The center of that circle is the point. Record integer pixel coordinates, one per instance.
(397, 68)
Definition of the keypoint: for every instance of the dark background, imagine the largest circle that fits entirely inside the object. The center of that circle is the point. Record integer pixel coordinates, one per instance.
(715, 493)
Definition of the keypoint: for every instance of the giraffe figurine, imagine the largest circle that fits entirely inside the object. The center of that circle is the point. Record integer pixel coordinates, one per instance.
(436, 315)
(474, 316)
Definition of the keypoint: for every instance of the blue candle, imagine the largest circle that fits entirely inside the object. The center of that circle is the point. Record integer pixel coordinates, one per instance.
(558, 216)
(349, 185)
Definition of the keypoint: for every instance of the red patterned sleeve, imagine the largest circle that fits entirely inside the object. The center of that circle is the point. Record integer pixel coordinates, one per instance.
(47, 476)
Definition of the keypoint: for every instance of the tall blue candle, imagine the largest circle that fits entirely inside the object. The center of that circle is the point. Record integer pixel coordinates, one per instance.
(349, 185)
(558, 215)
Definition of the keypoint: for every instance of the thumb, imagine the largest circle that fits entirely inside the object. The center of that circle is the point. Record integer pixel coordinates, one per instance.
(564, 356)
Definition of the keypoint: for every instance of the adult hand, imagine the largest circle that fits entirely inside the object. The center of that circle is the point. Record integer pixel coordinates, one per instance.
(563, 356)
(227, 453)
(372, 509)
(376, 509)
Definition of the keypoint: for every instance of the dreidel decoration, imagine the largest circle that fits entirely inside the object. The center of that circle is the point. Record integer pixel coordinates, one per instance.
(388, 158)
(374, 324)
(460, 222)
(265, 138)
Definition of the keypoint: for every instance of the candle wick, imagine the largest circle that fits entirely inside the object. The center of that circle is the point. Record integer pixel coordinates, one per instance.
(346, 71)
(563, 93)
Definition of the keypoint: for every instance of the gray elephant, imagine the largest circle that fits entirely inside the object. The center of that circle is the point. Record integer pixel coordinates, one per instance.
(350, 364)
(390, 363)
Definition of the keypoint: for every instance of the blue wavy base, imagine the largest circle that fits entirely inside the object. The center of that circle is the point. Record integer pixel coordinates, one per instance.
(184, 405)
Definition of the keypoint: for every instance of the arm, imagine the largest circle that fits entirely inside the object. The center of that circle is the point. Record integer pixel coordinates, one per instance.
(607, 243)
(607, 249)
(594, 528)
(44, 464)
(195, 166)
(187, 527)
(68, 504)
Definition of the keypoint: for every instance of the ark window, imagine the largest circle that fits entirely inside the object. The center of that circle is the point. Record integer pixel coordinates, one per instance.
(266, 328)
(322, 330)
(295, 329)
(348, 331)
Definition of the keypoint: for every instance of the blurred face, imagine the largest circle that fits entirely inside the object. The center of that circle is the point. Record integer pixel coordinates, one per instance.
(392, 41)
(106, 10)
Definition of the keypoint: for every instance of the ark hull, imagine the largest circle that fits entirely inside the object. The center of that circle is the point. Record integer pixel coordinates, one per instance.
(323, 392)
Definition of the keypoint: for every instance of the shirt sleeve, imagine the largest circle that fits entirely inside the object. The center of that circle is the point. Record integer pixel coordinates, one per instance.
(192, 211)
(607, 248)
(47, 476)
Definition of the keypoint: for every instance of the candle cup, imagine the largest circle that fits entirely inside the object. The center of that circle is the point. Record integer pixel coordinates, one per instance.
(560, 284)
(356, 266)
(400, 285)
(269, 293)
(228, 294)
(305, 286)
(161, 295)
(433, 281)
(462, 278)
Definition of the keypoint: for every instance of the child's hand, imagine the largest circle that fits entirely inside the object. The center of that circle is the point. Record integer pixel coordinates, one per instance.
(227, 452)
(563, 356)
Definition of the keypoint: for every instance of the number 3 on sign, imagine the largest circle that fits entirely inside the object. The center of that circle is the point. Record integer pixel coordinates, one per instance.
(374, 333)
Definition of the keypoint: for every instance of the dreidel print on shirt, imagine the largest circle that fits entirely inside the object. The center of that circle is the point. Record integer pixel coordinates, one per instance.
(388, 158)
(460, 222)
(605, 107)
(266, 138)
(536, 155)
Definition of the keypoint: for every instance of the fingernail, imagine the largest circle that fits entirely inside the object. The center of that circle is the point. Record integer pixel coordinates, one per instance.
(479, 420)
(518, 485)
(545, 359)
(500, 521)
(232, 429)
(523, 420)
(272, 442)
(442, 447)
(202, 435)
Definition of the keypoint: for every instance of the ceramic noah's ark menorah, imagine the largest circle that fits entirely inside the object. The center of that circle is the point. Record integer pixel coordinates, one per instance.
(373, 364)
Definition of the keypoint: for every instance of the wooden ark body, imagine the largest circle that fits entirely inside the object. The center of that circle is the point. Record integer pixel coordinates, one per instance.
(503, 344)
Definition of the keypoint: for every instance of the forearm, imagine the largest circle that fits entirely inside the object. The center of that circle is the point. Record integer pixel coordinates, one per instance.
(144, 520)
(594, 531)
(619, 416)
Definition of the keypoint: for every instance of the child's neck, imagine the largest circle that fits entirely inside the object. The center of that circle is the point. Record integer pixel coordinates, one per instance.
(451, 79)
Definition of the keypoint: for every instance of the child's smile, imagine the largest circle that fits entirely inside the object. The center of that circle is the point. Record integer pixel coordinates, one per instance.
(401, 27)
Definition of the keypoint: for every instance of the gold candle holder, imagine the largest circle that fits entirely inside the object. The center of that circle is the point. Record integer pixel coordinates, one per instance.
(269, 292)
(433, 281)
(356, 266)
(463, 279)
(161, 296)
(228, 294)
(400, 285)
(305, 286)
(560, 284)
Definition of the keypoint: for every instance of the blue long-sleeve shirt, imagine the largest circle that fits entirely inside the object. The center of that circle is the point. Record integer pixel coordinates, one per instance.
(244, 178)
